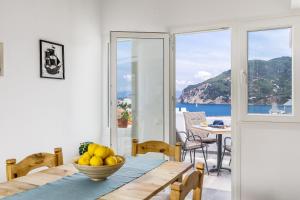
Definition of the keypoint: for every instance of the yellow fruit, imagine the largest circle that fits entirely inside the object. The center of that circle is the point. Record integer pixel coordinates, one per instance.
(111, 160)
(83, 161)
(92, 148)
(86, 155)
(96, 161)
(102, 152)
(119, 159)
(111, 152)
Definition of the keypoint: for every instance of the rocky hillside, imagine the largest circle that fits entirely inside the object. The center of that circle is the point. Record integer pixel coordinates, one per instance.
(214, 90)
(263, 89)
(262, 85)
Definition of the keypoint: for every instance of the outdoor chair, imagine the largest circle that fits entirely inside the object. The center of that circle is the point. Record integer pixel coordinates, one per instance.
(190, 143)
(226, 148)
(197, 118)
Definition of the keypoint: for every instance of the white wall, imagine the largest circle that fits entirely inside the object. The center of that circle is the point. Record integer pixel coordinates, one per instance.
(269, 160)
(39, 114)
(269, 156)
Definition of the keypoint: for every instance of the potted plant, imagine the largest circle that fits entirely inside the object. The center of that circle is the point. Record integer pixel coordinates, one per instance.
(125, 116)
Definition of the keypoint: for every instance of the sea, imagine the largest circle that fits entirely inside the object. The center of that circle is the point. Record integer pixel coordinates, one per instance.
(225, 109)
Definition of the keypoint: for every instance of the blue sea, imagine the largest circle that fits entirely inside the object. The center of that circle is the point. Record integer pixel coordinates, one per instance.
(225, 109)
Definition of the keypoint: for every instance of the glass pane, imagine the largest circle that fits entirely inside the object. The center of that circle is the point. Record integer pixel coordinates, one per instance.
(270, 72)
(140, 111)
(203, 77)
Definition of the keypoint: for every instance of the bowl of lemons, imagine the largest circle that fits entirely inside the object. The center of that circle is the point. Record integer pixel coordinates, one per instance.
(98, 162)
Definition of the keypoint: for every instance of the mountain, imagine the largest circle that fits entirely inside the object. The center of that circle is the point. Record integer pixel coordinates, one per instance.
(214, 90)
(262, 85)
(271, 80)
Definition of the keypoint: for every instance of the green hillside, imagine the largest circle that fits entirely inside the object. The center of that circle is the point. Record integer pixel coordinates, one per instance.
(263, 88)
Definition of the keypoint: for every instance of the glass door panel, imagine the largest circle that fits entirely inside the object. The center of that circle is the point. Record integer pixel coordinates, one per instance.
(139, 91)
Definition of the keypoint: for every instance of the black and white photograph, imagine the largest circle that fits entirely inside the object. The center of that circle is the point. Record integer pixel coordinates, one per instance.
(52, 60)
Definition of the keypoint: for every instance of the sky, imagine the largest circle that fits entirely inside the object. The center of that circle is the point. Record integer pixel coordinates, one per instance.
(124, 65)
(203, 55)
(200, 56)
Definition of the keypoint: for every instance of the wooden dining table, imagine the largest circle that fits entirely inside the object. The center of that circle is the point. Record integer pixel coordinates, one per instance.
(144, 187)
(219, 132)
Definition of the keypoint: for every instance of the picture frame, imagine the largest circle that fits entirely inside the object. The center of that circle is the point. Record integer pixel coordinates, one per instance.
(52, 63)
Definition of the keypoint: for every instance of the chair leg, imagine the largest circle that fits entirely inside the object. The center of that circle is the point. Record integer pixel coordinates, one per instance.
(221, 161)
(230, 160)
(194, 156)
(206, 152)
(191, 156)
(183, 155)
(205, 160)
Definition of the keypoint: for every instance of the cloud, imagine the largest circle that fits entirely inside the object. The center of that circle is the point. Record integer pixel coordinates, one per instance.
(181, 84)
(203, 75)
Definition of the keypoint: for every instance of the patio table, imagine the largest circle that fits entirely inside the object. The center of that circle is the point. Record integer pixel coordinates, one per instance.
(219, 132)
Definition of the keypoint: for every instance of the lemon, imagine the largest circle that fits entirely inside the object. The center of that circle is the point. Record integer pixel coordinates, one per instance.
(102, 152)
(111, 160)
(119, 159)
(92, 148)
(86, 155)
(96, 161)
(111, 152)
(83, 161)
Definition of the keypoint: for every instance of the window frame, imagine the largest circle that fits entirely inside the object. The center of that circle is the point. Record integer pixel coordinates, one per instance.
(261, 25)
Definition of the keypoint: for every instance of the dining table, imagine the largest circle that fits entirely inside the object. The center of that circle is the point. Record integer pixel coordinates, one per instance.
(219, 132)
(143, 187)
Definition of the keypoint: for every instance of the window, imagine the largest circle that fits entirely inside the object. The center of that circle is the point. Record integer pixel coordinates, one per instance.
(270, 72)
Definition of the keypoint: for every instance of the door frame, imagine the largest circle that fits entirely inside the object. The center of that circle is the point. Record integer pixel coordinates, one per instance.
(236, 146)
(114, 35)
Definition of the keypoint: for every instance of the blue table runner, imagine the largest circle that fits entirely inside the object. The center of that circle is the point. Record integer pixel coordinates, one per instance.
(78, 186)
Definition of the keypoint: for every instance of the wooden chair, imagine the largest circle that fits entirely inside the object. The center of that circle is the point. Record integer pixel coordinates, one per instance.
(34, 161)
(192, 181)
(157, 147)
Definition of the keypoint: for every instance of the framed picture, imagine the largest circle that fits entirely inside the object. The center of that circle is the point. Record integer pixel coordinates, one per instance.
(1, 59)
(52, 60)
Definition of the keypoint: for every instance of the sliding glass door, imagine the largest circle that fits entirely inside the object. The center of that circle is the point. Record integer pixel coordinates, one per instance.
(139, 88)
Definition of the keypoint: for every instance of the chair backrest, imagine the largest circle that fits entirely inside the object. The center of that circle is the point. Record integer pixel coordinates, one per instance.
(192, 181)
(34, 161)
(157, 147)
(194, 118)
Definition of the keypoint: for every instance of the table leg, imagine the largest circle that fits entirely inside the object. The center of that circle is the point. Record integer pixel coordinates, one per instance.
(220, 144)
(219, 154)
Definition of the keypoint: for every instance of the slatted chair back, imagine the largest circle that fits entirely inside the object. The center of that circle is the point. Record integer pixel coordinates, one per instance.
(192, 181)
(157, 147)
(34, 161)
(195, 118)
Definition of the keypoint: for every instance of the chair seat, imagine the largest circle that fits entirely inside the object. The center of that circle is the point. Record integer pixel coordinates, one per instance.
(193, 145)
(209, 140)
